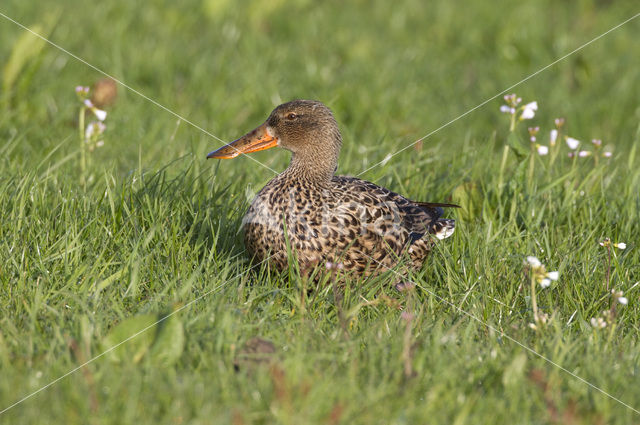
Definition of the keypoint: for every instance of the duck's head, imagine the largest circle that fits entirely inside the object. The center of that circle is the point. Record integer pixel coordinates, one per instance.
(305, 127)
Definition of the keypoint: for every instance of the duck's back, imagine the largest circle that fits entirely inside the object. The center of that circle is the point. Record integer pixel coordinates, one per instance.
(348, 221)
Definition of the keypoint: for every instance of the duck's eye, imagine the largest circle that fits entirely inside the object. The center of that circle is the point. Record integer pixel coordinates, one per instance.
(292, 116)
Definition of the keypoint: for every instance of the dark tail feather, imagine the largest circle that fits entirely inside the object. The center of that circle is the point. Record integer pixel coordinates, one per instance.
(436, 205)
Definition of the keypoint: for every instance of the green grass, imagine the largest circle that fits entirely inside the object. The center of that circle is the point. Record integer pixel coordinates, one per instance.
(151, 226)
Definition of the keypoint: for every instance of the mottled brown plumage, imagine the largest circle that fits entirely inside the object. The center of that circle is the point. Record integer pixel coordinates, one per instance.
(323, 217)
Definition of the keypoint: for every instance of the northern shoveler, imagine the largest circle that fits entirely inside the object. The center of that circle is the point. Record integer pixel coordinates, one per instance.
(323, 217)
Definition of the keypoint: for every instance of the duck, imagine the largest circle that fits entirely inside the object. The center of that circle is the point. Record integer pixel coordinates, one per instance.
(312, 216)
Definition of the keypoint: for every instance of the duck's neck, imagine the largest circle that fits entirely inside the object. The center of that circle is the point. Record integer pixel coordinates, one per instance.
(316, 163)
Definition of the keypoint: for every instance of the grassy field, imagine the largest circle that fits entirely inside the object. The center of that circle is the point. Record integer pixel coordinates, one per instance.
(94, 250)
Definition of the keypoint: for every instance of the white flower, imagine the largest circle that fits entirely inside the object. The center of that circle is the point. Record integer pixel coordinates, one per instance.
(542, 150)
(620, 245)
(553, 136)
(584, 154)
(533, 261)
(618, 297)
(607, 154)
(539, 273)
(573, 143)
(529, 110)
(546, 281)
(99, 113)
(598, 323)
(94, 129)
(506, 109)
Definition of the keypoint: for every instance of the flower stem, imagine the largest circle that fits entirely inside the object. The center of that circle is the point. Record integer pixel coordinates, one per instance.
(83, 152)
(555, 150)
(532, 164)
(534, 301)
(503, 166)
(608, 265)
(512, 126)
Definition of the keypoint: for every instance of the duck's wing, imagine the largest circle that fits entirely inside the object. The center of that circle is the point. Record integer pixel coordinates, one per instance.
(418, 218)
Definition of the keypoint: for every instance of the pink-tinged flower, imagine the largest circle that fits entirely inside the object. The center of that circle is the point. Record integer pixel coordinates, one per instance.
(506, 109)
(94, 129)
(596, 142)
(572, 143)
(559, 122)
(584, 154)
(405, 286)
(99, 113)
(529, 110)
(334, 266)
(553, 136)
(406, 316)
(542, 320)
(82, 91)
(512, 99)
(542, 150)
(607, 154)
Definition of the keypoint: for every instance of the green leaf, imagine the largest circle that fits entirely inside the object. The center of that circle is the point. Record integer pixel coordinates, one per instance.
(109, 280)
(26, 48)
(134, 348)
(517, 145)
(514, 372)
(169, 343)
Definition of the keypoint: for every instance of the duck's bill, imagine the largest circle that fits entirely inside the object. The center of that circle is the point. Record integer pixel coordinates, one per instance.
(254, 141)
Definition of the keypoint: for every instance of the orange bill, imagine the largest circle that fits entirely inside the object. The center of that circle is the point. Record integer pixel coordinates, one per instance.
(254, 141)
